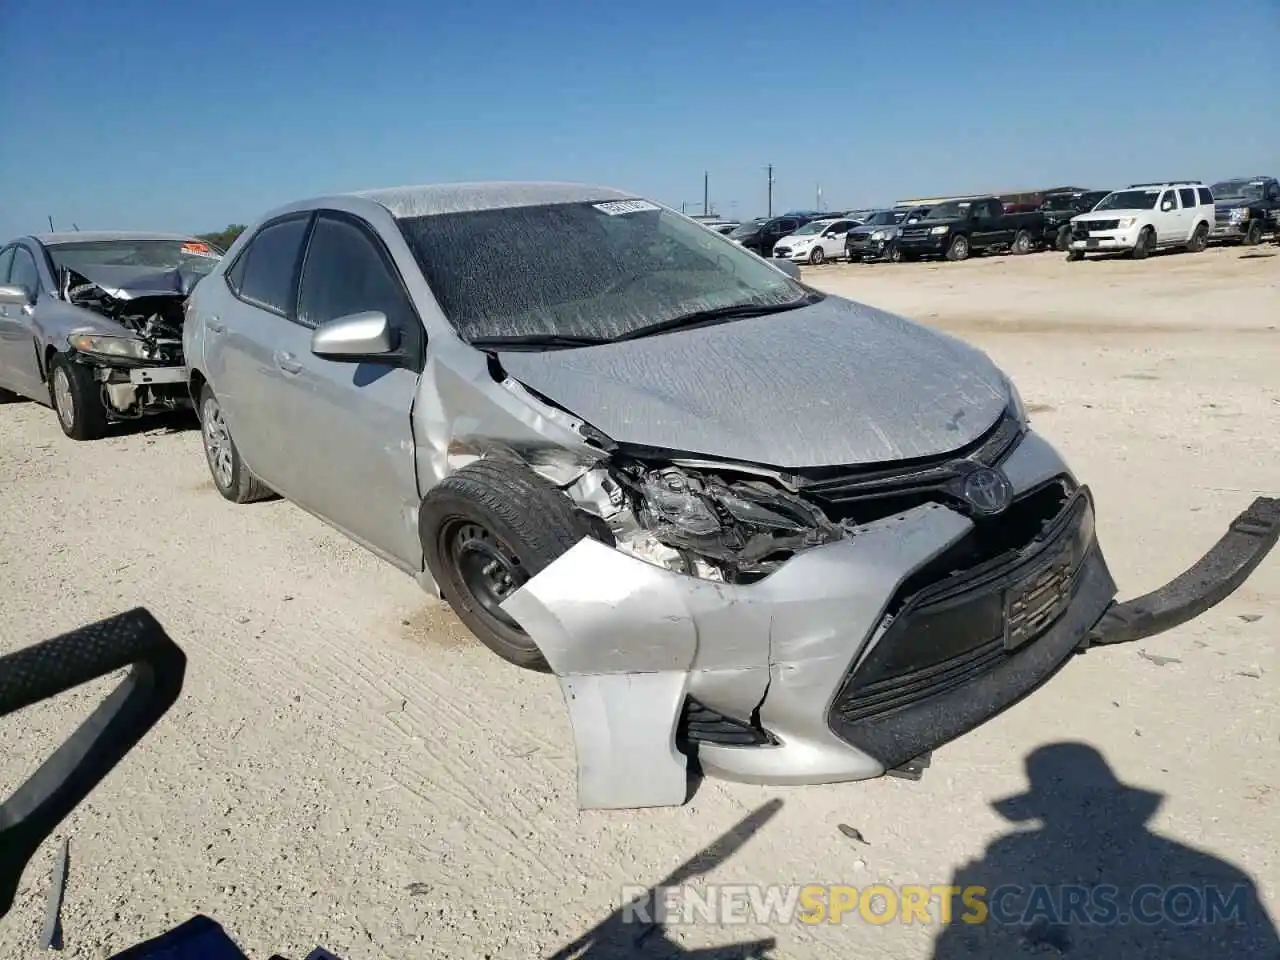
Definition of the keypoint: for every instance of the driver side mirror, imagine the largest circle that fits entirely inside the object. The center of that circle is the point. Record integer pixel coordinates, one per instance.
(12, 294)
(355, 338)
(1167, 205)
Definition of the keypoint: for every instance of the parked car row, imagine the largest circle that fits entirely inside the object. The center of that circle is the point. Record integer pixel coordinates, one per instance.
(1137, 220)
(628, 451)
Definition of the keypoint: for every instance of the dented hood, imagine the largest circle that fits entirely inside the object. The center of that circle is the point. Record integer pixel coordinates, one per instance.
(130, 282)
(835, 383)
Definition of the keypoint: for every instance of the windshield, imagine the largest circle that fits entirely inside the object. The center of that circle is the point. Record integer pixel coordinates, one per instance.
(1130, 200)
(746, 229)
(815, 226)
(194, 255)
(952, 210)
(885, 218)
(1246, 189)
(1063, 202)
(584, 270)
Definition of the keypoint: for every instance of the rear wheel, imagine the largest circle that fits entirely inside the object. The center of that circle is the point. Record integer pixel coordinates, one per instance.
(1021, 243)
(959, 248)
(1253, 236)
(486, 531)
(1143, 246)
(1199, 238)
(77, 399)
(232, 478)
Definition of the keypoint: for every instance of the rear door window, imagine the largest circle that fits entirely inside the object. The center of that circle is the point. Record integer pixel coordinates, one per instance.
(269, 263)
(1205, 196)
(23, 272)
(6, 258)
(1188, 196)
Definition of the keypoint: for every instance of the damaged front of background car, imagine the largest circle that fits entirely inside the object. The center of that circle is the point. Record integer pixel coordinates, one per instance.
(101, 317)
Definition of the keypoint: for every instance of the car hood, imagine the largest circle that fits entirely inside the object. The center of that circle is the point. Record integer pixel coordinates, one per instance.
(835, 383)
(130, 283)
(1117, 214)
(793, 239)
(867, 229)
(1230, 203)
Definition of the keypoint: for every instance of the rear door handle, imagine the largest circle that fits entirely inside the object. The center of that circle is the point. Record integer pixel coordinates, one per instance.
(215, 325)
(287, 362)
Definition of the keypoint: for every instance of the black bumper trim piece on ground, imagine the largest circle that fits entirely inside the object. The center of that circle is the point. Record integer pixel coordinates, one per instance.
(1213, 578)
(898, 737)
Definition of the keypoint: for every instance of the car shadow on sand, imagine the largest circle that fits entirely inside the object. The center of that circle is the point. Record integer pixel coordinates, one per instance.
(628, 934)
(1092, 880)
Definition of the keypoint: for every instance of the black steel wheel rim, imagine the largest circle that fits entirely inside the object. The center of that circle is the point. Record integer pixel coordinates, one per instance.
(487, 570)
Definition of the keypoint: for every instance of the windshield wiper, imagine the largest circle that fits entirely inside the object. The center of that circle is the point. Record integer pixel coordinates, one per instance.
(537, 341)
(698, 318)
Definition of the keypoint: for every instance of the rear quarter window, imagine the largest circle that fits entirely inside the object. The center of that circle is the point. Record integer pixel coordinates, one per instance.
(263, 273)
(1205, 196)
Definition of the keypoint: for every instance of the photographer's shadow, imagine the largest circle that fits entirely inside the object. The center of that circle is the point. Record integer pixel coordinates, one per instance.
(1093, 881)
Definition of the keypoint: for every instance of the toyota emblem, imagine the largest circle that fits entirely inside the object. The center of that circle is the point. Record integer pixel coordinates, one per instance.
(986, 491)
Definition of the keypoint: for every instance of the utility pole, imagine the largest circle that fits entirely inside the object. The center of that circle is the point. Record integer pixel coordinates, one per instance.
(770, 169)
(51, 223)
(706, 193)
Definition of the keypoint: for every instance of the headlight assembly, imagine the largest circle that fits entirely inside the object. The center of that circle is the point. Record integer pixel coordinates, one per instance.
(1016, 406)
(669, 496)
(878, 235)
(1125, 223)
(1239, 213)
(940, 230)
(126, 347)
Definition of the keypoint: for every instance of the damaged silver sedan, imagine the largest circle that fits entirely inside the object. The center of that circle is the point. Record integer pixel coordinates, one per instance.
(789, 537)
(91, 323)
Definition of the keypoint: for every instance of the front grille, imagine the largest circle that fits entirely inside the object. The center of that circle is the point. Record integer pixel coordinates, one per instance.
(868, 494)
(940, 636)
(915, 233)
(1084, 228)
(1222, 215)
(782, 251)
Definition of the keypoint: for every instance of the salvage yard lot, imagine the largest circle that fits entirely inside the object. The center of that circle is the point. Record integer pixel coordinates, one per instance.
(347, 768)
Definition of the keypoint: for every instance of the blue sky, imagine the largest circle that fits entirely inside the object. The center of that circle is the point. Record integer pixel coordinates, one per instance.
(142, 115)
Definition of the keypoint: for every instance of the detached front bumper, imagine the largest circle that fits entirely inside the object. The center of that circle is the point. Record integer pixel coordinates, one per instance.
(867, 248)
(853, 659)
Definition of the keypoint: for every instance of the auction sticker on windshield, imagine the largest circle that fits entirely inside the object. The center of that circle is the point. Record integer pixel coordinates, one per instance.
(615, 207)
(199, 250)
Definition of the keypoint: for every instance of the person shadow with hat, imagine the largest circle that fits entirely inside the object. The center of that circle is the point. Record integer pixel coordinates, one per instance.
(1093, 881)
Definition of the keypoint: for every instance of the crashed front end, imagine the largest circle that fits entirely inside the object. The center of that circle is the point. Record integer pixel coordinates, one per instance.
(136, 355)
(819, 628)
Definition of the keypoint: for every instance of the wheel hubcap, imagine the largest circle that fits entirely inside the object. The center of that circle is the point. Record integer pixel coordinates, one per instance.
(489, 570)
(217, 442)
(62, 398)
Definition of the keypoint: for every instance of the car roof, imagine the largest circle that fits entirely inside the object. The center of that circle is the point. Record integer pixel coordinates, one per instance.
(431, 199)
(102, 236)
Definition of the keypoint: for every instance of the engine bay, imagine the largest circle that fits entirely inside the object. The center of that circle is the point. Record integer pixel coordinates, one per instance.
(156, 319)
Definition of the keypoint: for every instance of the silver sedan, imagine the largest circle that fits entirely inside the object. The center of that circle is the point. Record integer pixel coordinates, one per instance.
(91, 323)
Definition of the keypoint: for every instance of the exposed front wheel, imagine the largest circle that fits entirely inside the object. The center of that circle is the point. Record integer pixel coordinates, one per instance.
(959, 248)
(487, 530)
(232, 478)
(1074, 256)
(817, 256)
(1199, 238)
(77, 399)
(1143, 246)
(1253, 236)
(1021, 243)
(1063, 239)
(896, 255)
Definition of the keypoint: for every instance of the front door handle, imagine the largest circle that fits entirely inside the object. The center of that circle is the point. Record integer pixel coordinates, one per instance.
(287, 362)
(215, 325)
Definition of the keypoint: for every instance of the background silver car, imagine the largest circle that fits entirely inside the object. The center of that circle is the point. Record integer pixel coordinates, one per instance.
(805, 538)
(91, 323)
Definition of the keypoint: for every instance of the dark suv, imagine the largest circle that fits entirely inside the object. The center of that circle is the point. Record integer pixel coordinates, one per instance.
(1059, 208)
(760, 235)
(1245, 209)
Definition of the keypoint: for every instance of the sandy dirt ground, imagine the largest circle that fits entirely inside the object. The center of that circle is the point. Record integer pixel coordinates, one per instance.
(347, 768)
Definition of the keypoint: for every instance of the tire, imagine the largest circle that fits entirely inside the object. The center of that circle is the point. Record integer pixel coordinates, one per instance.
(958, 249)
(1063, 238)
(77, 399)
(496, 514)
(895, 255)
(1021, 243)
(1253, 236)
(1143, 246)
(1075, 256)
(1199, 238)
(232, 478)
(817, 256)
